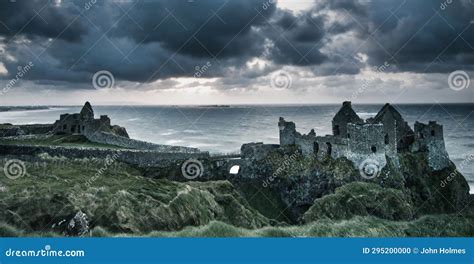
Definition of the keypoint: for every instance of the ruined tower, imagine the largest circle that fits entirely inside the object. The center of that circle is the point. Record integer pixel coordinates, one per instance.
(287, 132)
(429, 138)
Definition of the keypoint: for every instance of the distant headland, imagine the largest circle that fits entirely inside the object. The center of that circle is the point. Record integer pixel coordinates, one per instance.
(22, 108)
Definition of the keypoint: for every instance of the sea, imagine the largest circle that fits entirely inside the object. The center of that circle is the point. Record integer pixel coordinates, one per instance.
(222, 129)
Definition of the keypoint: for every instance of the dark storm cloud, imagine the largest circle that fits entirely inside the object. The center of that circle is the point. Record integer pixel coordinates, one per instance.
(307, 39)
(422, 36)
(40, 18)
(143, 41)
(200, 28)
(296, 40)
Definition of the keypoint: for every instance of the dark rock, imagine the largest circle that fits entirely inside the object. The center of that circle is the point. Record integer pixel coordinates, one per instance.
(78, 225)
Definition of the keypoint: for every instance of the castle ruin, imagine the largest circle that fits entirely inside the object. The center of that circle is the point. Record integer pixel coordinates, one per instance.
(385, 135)
(84, 123)
(101, 131)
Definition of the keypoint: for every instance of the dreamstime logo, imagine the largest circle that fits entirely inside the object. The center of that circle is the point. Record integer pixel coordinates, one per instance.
(22, 71)
(14, 169)
(47, 251)
(469, 158)
(103, 79)
(108, 162)
(200, 70)
(281, 80)
(458, 80)
(268, 4)
(369, 169)
(192, 169)
(445, 4)
(90, 4)
(282, 167)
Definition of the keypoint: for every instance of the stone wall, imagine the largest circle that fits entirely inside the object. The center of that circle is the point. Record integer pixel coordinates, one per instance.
(97, 137)
(330, 146)
(111, 139)
(135, 157)
(306, 145)
(289, 136)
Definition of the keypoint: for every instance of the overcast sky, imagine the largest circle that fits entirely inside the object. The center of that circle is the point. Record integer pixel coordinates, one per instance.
(236, 52)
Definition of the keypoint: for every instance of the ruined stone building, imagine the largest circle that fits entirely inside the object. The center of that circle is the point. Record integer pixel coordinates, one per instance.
(101, 131)
(384, 135)
(84, 123)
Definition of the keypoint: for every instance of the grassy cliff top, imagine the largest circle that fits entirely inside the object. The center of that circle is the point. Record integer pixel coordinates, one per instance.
(114, 196)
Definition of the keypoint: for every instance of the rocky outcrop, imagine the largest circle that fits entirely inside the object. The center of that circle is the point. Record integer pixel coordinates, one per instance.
(297, 181)
(422, 191)
(431, 190)
(293, 180)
